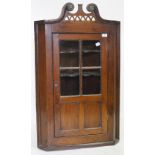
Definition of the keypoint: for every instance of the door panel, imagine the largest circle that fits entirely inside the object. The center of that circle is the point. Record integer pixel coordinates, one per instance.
(69, 53)
(69, 81)
(80, 85)
(91, 53)
(69, 116)
(91, 81)
(92, 115)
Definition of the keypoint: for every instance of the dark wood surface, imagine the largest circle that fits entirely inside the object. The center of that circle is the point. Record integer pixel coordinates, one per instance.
(83, 120)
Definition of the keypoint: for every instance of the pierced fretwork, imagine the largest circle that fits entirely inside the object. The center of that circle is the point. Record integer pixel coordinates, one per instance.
(80, 18)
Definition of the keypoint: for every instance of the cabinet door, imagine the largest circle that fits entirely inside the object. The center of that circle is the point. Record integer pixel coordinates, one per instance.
(80, 84)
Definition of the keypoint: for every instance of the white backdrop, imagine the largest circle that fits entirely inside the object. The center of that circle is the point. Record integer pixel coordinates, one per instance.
(50, 9)
(17, 53)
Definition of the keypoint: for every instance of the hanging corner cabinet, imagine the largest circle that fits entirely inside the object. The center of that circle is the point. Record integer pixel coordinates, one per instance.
(77, 79)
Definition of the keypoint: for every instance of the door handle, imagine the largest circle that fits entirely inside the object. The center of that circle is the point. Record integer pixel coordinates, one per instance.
(56, 90)
(56, 84)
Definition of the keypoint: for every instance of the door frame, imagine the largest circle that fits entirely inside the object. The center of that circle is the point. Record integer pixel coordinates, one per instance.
(58, 99)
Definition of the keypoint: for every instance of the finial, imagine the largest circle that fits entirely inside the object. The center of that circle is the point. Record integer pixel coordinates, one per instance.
(69, 6)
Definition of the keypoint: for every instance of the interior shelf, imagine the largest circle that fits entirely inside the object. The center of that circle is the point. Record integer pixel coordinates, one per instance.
(87, 74)
(69, 51)
(68, 68)
(90, 67)
(90, 51)
(69, 74)
(77, 51)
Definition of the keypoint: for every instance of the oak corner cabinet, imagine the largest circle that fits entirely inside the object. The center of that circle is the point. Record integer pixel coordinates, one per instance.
(77, 79)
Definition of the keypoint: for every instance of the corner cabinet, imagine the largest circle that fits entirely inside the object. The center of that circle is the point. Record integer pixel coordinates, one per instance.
(77, 80)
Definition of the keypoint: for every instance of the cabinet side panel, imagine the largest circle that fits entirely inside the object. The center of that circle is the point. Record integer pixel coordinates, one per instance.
(117, 58)
(40, 62)
(110, 84)
(49, 82)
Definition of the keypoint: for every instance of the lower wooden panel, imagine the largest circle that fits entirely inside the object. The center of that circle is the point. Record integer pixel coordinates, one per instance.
(80, 118)
(69, 116)
(92, 115)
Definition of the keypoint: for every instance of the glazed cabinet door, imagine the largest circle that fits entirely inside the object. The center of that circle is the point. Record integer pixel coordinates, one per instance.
(80, 85)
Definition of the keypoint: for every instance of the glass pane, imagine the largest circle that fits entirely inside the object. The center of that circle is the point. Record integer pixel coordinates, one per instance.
(69, 53)
(69, 82)
(91, 81)
(91, 53)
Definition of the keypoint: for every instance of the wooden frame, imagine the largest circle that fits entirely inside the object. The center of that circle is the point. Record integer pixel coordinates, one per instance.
(84, 24)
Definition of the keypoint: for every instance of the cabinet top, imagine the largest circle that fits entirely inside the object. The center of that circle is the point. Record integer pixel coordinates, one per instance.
(79, 17)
